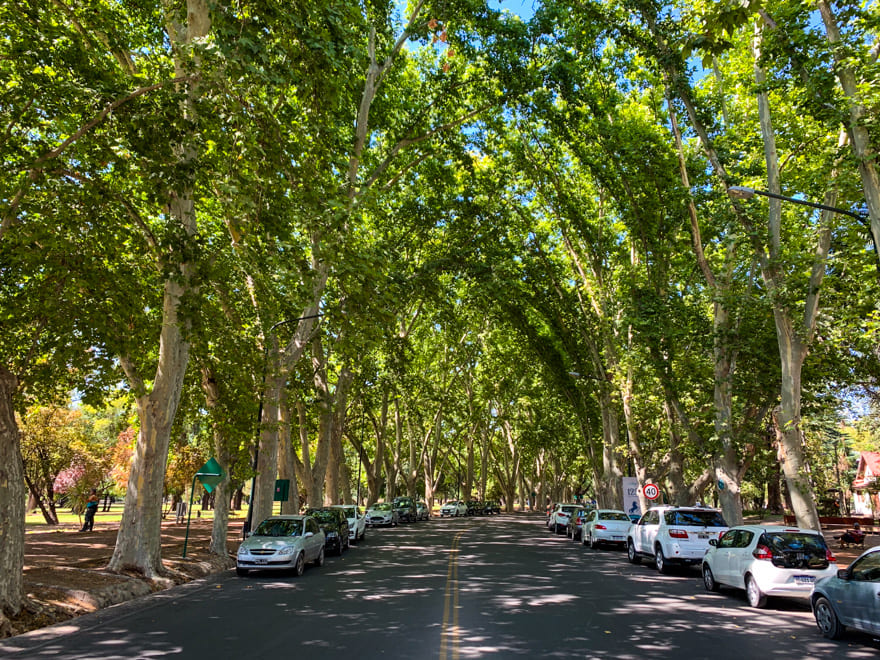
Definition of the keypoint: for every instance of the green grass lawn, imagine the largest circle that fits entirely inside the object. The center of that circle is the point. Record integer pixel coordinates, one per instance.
(34, 520)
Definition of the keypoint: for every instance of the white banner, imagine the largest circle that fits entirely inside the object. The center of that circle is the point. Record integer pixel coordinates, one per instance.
(631, 496)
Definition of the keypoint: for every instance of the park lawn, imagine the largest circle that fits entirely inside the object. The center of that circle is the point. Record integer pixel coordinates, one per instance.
(34, 521)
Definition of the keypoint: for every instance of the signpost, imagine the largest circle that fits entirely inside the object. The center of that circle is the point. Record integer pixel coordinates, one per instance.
(282, 492)
(651, 491)
(210, 474)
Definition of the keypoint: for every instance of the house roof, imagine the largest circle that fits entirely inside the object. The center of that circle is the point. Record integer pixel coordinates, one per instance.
(868, 470)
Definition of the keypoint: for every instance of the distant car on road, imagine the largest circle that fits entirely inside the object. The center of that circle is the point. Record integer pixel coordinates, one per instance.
(357, 521)
(382, 514)
(850, 598)
(335, 526)
(558, 520)
(406, 509)
(606, 526)
(453, 508)
(281, 543)
(491, 506)
(768, 560)
(674, 535)
(422, 510)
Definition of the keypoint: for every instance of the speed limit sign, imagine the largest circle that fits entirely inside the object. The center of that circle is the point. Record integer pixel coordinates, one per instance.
(651, 491)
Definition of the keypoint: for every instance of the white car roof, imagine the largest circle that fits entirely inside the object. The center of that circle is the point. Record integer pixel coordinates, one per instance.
(776, 528)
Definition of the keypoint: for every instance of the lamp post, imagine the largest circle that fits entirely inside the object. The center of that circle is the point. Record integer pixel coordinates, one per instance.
(249, 521)
(742, 192)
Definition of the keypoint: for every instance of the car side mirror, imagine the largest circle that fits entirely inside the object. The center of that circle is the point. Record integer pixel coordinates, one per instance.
(713, 542)
(843, 573)
(308, 534)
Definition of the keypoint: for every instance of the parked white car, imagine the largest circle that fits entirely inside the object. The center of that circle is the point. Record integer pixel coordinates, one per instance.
(560, 515)
(357, 521)
(282, 543)
(768, 560)
(674, 534)
(382, 513)
(453, 508)
(605, 526)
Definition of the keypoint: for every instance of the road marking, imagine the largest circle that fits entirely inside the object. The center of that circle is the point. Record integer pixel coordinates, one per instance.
(449, 634)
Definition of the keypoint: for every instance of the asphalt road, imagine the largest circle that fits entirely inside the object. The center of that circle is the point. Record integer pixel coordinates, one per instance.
(499, 587)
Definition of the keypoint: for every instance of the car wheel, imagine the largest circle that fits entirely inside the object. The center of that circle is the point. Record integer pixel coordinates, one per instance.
(826, 618)
(300, 566)
(241, 572)
(709, 579)
(660, 561)
(753, 592)
(631, 553)
(319, 561)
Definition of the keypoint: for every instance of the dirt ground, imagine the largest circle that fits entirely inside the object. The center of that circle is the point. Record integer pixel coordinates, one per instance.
(64, 574)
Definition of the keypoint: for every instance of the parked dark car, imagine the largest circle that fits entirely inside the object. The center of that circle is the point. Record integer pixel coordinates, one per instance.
(335, 527)
(406, 509)
(474, 507)
(489, 507)
(574, 528)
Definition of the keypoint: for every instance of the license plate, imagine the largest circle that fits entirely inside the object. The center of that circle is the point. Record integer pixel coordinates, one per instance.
(617, 538)
(702, 535)
(804, 579)
(261, 561)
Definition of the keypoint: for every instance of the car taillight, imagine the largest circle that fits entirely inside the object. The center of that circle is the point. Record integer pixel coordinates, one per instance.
(600, 527)
(678, 533)
(829, 556)
(762, 552)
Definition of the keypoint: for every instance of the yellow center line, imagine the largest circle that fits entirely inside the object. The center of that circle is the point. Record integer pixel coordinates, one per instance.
(449, 633)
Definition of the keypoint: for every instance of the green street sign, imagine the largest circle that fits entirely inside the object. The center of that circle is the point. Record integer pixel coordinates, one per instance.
(282, 490)
(211, 474)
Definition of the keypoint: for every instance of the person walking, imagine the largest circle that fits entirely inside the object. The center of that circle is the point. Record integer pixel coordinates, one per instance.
(91, 510)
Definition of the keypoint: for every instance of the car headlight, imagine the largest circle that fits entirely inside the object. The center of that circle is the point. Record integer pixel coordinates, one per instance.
(286, 550)
(332, 535)
(242, 551)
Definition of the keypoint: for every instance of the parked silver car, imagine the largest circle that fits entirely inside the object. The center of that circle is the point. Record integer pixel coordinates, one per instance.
(282, 543)
(851, 598)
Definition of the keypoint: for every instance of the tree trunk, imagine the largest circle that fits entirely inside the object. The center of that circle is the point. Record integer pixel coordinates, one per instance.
(220, 527)
(793, 341)
(287, 458)
(860, 118)
(267, 461)
(138, 543)
(12, 503)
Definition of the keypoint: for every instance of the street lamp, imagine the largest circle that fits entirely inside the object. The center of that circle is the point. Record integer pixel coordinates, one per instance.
(249, 521)
(742, 192)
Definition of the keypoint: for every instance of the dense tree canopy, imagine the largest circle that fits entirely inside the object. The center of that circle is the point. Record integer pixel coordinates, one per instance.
(440, 249)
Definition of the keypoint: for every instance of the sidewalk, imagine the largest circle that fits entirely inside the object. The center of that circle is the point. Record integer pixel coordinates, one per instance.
(64, 576)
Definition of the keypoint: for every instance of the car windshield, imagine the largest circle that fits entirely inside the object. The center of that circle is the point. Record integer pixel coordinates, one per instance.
(611, 515)
(796, 549)
(381, 507)
(707, 518)
(279, 528)
(568, 509)
(349, 512)
(323, 515)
